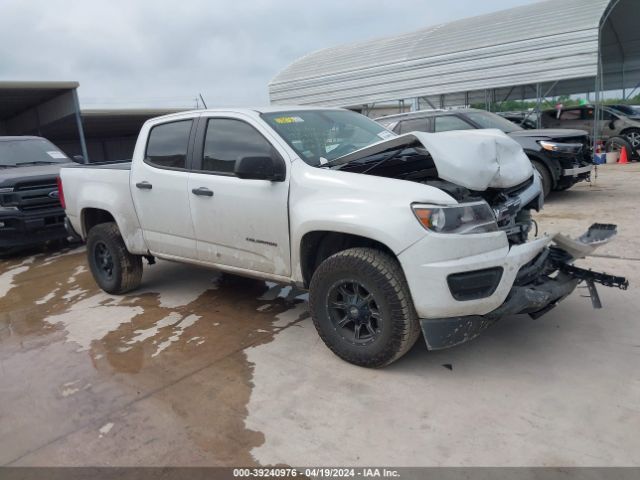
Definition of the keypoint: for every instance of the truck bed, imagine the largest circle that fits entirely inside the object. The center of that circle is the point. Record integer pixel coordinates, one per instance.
(102, 186)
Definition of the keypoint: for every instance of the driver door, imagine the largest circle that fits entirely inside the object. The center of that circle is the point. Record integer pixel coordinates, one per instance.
(238, 222)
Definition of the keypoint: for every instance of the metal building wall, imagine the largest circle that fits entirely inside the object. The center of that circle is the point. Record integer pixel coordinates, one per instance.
(539, 43)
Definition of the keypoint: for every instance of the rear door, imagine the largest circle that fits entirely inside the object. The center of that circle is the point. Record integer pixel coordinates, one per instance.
(573, 118)
(159, 181)
(238, 222)
(607, 120)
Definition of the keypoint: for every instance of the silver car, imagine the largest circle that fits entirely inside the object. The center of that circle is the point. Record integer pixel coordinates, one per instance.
(614, 123)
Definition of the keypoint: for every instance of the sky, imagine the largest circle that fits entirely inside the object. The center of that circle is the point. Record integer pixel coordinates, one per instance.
(156, 53)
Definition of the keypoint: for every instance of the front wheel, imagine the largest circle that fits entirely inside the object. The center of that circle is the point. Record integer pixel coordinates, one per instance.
(114, 269)
(361, 307)
(633, 136)
(545, 174)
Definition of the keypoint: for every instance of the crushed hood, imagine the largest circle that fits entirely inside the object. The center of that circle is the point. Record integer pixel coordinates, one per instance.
(474, 159)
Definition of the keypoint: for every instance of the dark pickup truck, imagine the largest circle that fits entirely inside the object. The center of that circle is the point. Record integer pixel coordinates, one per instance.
(30, 210)
(561, 156)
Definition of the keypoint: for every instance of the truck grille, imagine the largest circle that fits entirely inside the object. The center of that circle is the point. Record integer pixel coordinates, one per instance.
(36, 195)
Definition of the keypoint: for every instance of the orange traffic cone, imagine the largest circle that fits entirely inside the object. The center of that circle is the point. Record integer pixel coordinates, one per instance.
(623, 156)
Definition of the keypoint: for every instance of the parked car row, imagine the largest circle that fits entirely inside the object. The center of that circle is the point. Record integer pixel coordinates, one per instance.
(30, 212)
(562, 157)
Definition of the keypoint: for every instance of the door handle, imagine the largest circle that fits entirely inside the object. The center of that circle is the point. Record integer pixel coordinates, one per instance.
(144, 185)
(202, 192)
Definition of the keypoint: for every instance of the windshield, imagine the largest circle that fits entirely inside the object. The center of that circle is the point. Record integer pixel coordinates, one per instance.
(491, 120)
(325, 134)
(21, 151)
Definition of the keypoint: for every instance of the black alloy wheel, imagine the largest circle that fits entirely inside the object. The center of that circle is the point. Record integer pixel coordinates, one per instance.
(104, 260)
(354, 312)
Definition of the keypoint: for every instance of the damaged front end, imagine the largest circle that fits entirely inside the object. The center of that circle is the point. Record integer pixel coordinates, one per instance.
(481, 170)
(539, 286)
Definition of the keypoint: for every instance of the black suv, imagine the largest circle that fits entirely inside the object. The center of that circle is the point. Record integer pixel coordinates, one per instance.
(30, 210)
(563, 157)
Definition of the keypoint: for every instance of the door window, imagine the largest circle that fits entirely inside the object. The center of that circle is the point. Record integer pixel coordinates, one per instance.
(168, 144)
(451, 122)
(570, 115)
(227, 140)
(413, 125)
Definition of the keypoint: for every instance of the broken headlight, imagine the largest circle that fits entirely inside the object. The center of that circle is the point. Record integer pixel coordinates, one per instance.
(475, 217)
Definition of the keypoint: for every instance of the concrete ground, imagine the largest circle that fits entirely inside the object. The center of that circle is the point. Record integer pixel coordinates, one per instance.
(202, 369)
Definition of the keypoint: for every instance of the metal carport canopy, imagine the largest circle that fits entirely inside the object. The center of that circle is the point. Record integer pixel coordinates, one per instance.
(538, 43)
(35, 108)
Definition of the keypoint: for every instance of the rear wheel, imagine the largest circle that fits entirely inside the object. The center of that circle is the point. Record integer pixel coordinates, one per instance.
(114, 269)
(545, 174)
(361, 307)
(633, 136)
(616, 144)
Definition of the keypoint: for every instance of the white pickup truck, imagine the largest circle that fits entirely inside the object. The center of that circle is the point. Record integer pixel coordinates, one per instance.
(390, 234)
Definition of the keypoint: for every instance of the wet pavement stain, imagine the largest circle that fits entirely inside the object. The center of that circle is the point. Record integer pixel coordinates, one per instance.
(170, 378)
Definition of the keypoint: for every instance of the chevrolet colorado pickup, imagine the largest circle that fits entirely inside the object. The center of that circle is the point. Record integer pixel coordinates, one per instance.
(390, 234)
(30, 211)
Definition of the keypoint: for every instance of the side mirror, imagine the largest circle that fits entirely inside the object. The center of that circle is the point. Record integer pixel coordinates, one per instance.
(78, 159)
(260, 168)
(612, 124)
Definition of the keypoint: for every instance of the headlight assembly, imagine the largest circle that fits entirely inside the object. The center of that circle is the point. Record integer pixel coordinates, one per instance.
(474, 217)
(560, 147)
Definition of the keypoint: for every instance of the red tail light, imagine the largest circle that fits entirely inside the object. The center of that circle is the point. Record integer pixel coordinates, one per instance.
(61, 193)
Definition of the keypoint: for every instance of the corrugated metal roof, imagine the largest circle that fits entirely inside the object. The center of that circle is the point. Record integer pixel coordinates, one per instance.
(540, 42)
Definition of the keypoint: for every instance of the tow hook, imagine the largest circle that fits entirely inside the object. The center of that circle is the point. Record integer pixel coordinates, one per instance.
(597, 235)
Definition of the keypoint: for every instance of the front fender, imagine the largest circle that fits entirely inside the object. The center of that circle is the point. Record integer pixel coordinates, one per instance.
(367, 206)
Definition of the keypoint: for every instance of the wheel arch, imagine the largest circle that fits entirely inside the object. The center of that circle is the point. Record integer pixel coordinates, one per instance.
(318, 245)
(90, 217)
(553, 166)
(627, 130)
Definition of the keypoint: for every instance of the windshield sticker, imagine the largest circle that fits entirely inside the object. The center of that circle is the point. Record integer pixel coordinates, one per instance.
(283, 120)
(384, 134)
(54, 154)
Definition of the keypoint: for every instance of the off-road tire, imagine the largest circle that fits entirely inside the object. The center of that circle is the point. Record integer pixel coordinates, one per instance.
(126, 271)
(545, 174)
(382, 275)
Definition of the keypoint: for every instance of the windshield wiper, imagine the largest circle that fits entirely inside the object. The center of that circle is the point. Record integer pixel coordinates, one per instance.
(376, 164)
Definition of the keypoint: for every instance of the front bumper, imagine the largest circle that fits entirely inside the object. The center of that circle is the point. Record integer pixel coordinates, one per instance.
(536, 287)
(20, 229)
(574, 172)
(429, 263)
(535, 299)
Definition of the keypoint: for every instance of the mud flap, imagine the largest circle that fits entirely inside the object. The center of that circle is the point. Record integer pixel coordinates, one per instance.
(443, 333)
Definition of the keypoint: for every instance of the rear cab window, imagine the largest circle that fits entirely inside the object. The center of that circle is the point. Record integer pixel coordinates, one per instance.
(168, 144)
